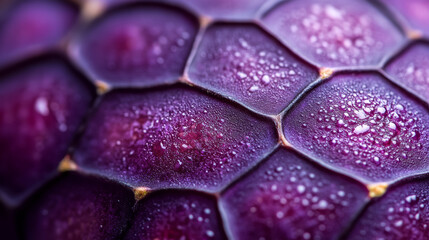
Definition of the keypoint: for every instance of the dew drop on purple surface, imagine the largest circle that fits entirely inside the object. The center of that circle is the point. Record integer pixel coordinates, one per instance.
(287, 198)
(176, 137)
(411, 69)
(402, 213)
(176, 215)
(364, 125)
(243, 62)
(334, 33)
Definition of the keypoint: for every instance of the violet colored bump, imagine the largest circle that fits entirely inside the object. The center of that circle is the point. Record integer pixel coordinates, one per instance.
(402, 213)
(243, 62)
(414, 12)
(176, 215)
(287, 198)
(45, 101)
(362, 124)
(334, 33)
(138, 45)
(176, 137)
(411, 69)
(78, 207)
(33, 26)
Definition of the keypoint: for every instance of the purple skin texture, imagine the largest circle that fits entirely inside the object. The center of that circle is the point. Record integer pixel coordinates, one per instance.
(176, 215)
(78, 207)
(411, 69)
(401, 214)
(137, 46)
(288, 198)
(245, 64)
(46, 102)
(175, 137)
(362, 124)
(334, 33)
(34, 26)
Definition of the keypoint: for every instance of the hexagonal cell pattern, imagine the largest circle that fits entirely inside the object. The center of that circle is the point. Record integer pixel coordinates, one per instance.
(411, 69)
(334, 33)
(176, 137)
(78, 207)
(138, 45)
(414, 12)
(176, 215)
(402, 213)
(364, 125)
(243, 62)
(33, 26)
(44, 102)
(287, 198)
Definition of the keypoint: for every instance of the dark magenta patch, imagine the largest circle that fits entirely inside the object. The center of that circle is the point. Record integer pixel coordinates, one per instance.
(43, 104)
(176, 215)
(76, 207)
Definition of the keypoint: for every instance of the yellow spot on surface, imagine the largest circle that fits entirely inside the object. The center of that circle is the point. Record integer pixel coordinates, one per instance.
(283, 141)
(205, 21)
(102, 87)
(325, 72)
(414, 34)
(67, 165)
(377, 189)
(93, 9)
(140, 192)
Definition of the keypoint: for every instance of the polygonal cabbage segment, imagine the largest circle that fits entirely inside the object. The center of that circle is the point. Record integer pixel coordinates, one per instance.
(402, 213)
(411, 69)
(136, 45)
(175, 137)
(176, 215)
(78, 207)
(244, 63)
(334, 33)
(362, 124)
(43, 103)
(32, 26)
(414, 12)
(288, 198)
